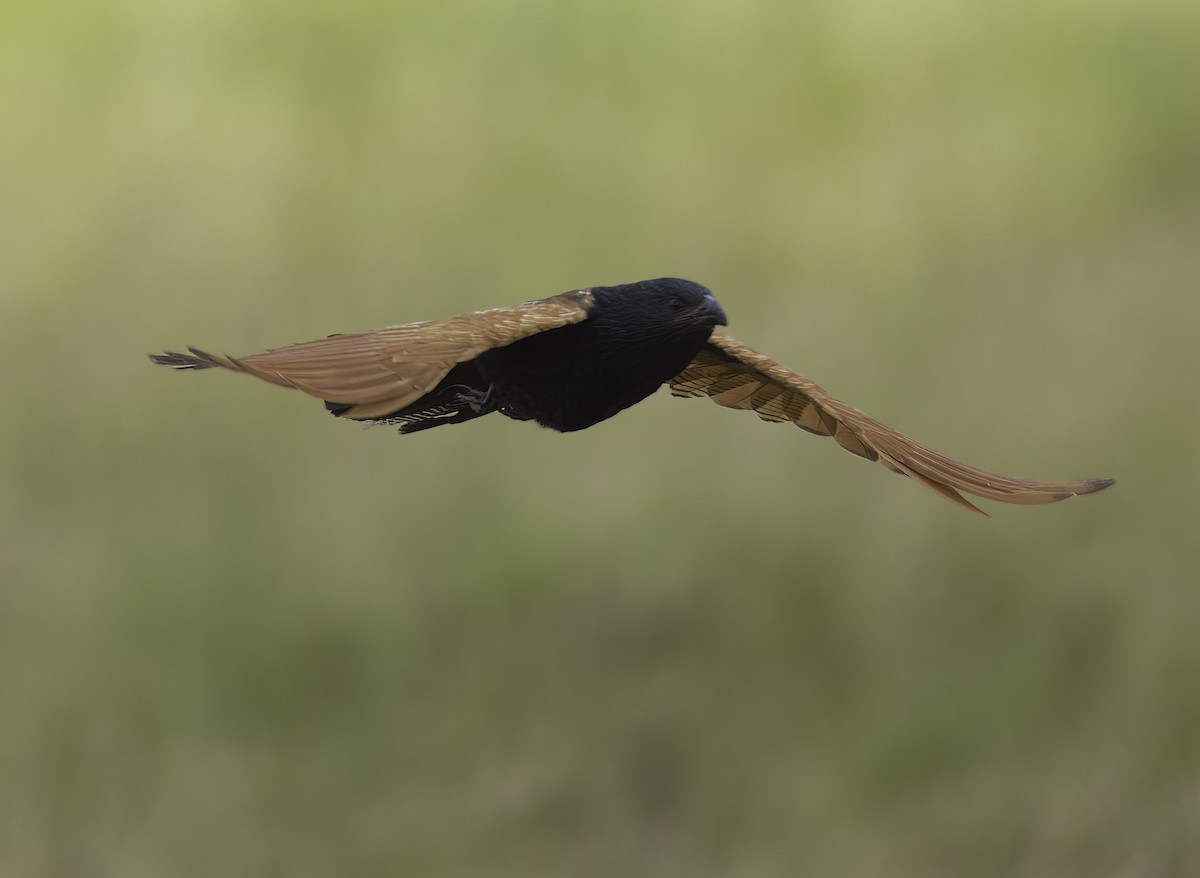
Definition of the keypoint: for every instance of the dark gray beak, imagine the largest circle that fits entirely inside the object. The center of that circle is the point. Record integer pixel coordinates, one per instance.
(713, 308)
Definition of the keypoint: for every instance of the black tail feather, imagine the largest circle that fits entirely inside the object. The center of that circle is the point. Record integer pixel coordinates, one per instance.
(451, 402)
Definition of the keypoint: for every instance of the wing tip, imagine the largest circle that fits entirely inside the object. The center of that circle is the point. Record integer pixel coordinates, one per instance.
(1087, 486)
(197, 359)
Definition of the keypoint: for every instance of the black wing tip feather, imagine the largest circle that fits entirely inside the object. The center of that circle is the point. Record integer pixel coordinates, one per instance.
(1087, 486)
(176, 360)
(1091, 486)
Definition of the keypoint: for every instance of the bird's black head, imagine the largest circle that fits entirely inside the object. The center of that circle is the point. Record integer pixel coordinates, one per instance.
(667, 301)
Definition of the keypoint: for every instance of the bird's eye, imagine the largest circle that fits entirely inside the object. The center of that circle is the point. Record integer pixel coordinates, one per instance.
(676, 303)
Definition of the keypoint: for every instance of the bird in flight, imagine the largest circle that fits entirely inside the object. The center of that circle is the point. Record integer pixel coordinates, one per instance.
(575, 359)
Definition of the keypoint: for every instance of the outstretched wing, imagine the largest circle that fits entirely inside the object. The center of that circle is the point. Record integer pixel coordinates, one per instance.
(736, 376)
(380, 372)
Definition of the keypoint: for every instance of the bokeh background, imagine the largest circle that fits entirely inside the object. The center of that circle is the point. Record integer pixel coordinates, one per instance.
(238, 637)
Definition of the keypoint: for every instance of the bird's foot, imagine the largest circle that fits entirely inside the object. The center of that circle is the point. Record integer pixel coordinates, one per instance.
(481, 402)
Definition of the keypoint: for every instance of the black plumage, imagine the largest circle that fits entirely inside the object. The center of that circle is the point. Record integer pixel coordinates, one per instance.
(573, 360)
(637, 338)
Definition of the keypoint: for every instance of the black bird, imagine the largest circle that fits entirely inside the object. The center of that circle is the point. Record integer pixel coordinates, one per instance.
(575, 359)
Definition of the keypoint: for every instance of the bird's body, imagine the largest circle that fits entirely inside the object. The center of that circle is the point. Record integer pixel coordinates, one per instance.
(630, 345)
(573, 360)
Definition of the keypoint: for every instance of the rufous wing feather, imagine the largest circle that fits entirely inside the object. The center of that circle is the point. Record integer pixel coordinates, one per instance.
(383, 370)
(737, 376)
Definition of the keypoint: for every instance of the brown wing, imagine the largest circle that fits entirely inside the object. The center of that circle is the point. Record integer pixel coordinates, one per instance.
(736, 376)
(384, 370)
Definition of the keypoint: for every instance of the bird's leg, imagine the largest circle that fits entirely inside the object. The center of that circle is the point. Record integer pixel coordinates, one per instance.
(481, 402)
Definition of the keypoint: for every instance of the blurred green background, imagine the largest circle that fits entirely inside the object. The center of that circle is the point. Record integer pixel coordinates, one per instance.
(238, 637)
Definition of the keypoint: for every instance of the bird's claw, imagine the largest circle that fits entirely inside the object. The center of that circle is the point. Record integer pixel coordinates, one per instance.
(481, 402)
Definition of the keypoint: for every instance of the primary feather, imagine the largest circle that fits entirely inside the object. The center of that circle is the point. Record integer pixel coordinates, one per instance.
(573, 360)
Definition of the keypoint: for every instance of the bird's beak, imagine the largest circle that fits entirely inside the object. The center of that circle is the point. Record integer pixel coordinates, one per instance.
(714, 309)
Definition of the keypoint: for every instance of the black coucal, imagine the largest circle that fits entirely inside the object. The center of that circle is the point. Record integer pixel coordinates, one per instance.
(573, 360)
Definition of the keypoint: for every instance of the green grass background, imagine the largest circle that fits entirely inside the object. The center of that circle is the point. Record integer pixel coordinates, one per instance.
(238, 637)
